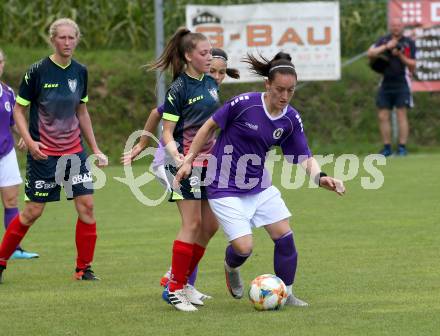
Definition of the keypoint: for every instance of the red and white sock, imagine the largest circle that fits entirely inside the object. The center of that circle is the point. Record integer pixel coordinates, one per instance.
(85, 243)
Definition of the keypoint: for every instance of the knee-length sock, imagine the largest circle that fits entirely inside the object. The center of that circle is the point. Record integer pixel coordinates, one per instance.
(234, 259)
(85, 239)
(285, 258)
(9, 215)
(181, 260)
(198, 252)
(11, 239)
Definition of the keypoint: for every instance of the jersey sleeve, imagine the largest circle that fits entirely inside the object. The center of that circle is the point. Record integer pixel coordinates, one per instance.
(84, 95)
(412, 49)
(225, 114)
(161, 109)
(294, 146)
(12, 102)
(174, 101)
(28, 87)
(382, 40)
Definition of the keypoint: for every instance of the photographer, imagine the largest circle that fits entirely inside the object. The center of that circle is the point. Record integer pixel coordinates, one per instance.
(393, 55)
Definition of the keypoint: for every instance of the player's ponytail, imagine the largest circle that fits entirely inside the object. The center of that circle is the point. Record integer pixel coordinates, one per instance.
(183, 41)
(233, 73)
(281, 63)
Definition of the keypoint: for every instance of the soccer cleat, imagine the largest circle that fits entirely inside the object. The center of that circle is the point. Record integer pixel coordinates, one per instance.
(402, 151)
(200, 295)
(166, 278)
(180, 301)
(294, 301)
(386, 151)
(2, 268)
(193, 295)
(234, 282)
(22, 254)
(85, 274)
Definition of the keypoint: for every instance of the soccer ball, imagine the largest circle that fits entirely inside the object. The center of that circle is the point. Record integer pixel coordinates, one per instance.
(268, 292)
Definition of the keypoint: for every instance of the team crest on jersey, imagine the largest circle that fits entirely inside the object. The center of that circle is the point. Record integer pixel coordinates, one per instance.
(8, 106)
(72, 84)
(213, 93)
(278, 133)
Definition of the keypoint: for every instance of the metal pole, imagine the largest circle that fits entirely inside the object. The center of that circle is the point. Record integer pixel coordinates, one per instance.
(160, 79)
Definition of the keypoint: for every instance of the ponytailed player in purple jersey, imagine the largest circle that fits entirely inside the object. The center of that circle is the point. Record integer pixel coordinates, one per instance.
(241, 195)
(218, 70)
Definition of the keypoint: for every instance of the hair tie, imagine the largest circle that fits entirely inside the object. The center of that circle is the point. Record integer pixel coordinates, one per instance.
(282, 66)
(221, 57)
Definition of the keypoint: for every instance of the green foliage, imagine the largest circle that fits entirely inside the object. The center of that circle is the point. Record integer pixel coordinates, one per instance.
(109, 24)
(129, 24)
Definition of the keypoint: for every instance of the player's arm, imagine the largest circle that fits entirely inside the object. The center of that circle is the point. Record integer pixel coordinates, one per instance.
(327, 182)
(20, 143)
(409, 62)
(197, 144)
(375, 50)
(22, 126)
(150, 126)
(85, 124)
(170, 144)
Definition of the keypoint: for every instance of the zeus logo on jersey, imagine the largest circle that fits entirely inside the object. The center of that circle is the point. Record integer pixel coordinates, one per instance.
(50, 86)
(193, 100)
(82, 178)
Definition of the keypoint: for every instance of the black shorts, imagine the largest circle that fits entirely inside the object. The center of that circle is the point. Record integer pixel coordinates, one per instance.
(44, 178)
(387, 98)
(190, 188)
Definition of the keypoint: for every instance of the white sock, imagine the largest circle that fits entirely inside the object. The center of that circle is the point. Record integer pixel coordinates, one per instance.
(289, 290)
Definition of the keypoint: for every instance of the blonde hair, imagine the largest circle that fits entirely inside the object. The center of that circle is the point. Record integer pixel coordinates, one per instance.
(53, 29)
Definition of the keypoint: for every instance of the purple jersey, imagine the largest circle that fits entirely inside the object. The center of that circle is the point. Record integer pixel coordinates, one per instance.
(159, 156)
(248, 132)
(7, 102)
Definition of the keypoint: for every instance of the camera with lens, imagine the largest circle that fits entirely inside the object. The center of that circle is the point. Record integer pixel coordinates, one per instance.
(399, 47)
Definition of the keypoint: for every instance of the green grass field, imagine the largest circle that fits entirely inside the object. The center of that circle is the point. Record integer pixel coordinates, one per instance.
(369, 265)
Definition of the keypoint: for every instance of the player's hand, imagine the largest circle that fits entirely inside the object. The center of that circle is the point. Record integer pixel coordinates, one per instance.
(21, 145)
(183, 173)
(128, 158)
(36, 153)
(391, 44)
(102, 159)
(332, 184)
(178, 159)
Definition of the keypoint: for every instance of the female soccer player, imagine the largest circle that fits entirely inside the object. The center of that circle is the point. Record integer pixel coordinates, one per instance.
(240, 195)
(191, 99)
(10, 177)
(218, 70)
(56, 90)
